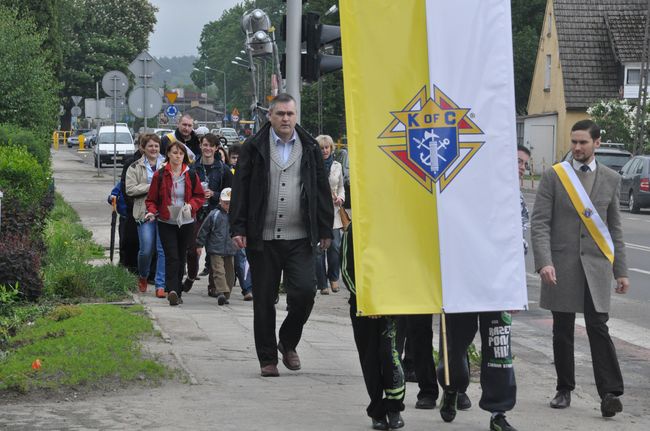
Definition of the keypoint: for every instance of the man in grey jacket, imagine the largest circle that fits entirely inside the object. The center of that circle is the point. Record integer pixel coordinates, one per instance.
(576, 265)
(281, 210)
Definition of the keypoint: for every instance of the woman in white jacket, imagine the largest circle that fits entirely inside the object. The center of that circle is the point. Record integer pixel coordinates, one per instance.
(328, 263)
(138, 180)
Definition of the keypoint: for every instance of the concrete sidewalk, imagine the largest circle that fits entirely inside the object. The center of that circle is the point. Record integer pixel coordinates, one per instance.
(213, 347)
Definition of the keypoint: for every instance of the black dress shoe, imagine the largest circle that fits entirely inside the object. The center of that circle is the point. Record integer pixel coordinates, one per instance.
(395, 420)
(426, 403)
(610, 405)
(463, 402)
(380, 423)
(562, 400)
(448, 406)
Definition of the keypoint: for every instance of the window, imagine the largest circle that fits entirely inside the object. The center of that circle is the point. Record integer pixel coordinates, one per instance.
(547, 74)
(633, 77)
(549, 25)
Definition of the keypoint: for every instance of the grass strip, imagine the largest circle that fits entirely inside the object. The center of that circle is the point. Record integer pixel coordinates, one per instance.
(101, 342)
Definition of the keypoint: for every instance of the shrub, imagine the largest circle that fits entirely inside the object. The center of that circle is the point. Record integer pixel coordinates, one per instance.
(81, 281)
(63, 312)
(20, 265)
(37, 146)
(23, 181)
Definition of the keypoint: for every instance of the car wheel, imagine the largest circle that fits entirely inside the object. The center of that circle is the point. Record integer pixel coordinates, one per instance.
(632, 204)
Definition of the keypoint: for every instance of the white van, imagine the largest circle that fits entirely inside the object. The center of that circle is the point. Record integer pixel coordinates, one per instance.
(103, 150)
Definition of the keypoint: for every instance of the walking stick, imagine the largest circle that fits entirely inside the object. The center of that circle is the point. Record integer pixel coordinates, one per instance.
(445, 355)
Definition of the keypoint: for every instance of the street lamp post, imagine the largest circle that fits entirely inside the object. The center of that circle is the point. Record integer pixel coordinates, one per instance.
(225, 91)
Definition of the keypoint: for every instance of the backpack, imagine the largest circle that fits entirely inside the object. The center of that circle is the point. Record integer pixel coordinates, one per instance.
(121, 202)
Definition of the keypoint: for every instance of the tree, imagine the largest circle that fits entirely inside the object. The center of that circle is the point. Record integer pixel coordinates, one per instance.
(617, 120)
(101, 36)
(28, 85)
(527, 19)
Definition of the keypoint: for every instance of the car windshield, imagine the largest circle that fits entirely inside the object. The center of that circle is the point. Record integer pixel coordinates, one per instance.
(121, 138)
(229, 133)
(613, 161)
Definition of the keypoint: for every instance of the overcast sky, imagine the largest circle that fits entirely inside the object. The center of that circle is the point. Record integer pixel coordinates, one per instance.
(179, 25)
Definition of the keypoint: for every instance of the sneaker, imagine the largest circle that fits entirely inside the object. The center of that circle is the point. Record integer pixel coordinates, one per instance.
(448, 405)
(463, 402)
(173, 298)
(187, 284)
(142, 284)
(325, 291)
(221, 299)
(160, 292)
(205, 272)
(335, 286)
(395, 420)
(248, 296)
(426, 403)
(499, 423)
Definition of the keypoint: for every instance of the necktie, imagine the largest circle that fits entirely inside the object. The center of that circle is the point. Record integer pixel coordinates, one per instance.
(585, 168)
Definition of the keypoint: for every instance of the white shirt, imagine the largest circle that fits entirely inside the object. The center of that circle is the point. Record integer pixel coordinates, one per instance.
(284, 148)
(576, 164)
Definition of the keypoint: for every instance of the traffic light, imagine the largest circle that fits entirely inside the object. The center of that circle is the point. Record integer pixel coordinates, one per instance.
(314, 64)
(257, 25)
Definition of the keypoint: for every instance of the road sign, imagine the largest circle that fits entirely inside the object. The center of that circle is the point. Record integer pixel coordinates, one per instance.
(144, 66)
(119, 103)
(171, 111)
(75, 111)
(145, 102)
(234, 118)
(115, 82)
(171, 96)
(76, 99)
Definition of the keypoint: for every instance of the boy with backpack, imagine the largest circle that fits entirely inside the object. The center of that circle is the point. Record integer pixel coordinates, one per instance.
(215, 236)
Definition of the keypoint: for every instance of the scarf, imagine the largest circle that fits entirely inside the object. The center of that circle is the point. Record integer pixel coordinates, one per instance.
(328, 163)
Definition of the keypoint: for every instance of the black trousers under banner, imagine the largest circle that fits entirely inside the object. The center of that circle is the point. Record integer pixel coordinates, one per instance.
(294, 258)
(607, 371)
(380, 364)
(415, 337)
(499, 389)
(174, 240)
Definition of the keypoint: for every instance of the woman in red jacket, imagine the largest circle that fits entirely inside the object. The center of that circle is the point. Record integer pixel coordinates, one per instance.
(174, 198)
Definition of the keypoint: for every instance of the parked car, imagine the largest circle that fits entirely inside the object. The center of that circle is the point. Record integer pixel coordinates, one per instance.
(611, 154)
(73, 139)
(230, 134)
(635, 183)
(162, 132)
(103, 151)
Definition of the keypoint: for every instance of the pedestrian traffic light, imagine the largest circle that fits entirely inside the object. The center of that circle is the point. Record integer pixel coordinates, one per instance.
(314, 64)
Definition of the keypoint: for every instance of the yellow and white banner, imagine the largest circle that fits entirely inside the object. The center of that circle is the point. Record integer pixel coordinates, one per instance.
(429, 94)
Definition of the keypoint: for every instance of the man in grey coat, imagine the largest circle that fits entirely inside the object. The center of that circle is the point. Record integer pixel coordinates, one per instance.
(576, 274)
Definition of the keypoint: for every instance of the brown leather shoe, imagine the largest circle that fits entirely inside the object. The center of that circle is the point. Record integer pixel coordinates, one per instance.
(270, 370)
(142, 284)
(290, 358)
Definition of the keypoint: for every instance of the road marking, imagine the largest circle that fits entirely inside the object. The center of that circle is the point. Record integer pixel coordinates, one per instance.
(637, 247)
(642, 271)
(625, 331)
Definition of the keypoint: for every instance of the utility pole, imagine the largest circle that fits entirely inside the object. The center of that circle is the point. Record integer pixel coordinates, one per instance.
(294, 29)
(643, 89)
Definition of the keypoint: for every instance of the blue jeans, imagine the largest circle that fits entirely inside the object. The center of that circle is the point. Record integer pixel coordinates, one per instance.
(150, 241)
(243, 276)
(332, 257)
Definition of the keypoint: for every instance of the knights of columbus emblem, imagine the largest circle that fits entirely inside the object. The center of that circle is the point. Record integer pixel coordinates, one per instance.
(440, 139)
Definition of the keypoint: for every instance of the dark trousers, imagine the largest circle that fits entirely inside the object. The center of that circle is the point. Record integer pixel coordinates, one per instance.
(294, 258)
(603, 354)
(192, 257)
(498, 385)
(129, 244)
(174, 241)
(380, 364)
(415, 336)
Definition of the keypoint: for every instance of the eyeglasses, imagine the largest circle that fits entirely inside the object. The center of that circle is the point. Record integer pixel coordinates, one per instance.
(524, 163)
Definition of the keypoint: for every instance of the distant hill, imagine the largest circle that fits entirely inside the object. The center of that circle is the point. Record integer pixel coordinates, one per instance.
(179, 71)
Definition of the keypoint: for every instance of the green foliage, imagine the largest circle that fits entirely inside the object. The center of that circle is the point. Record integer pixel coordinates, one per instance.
(28, 85)
(100, 36)
(66, 273)
(617, 120)
(22, 179)
(62, 312)
(14, 313)
(100, 343)
(527, 20)
(36, 145)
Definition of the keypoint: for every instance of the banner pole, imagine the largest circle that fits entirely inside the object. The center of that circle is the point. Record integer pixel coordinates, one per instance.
(445, 355)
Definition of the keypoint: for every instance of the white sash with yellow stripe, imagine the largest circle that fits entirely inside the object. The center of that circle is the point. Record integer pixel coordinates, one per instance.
(585, 208)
